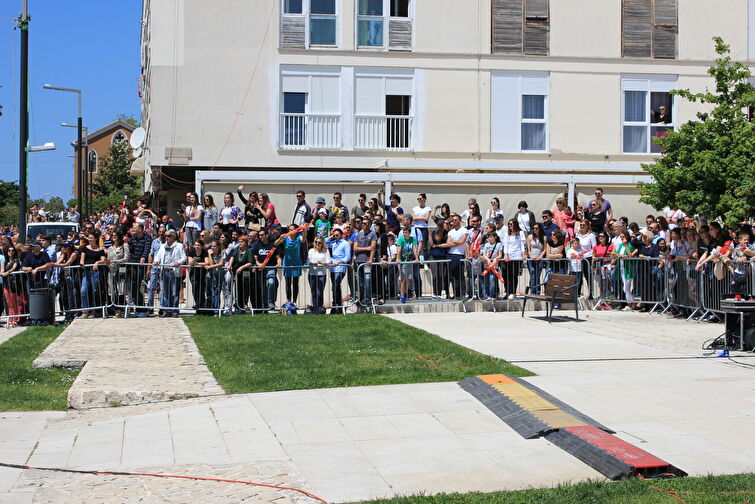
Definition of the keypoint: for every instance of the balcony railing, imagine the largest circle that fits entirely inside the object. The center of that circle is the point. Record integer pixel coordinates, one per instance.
(392, 133)
(310, 131)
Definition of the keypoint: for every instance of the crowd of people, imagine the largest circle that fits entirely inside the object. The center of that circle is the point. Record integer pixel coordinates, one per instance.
(232, 256)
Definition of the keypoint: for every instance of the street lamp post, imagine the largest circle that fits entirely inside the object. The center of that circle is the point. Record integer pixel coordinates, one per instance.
(79, 127)
(23, 24)
(88, 195)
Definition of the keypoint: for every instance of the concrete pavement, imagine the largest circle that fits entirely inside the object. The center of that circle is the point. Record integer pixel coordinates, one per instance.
(638, 374)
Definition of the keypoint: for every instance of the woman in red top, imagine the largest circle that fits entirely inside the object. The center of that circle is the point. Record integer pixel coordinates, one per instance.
(601, 254)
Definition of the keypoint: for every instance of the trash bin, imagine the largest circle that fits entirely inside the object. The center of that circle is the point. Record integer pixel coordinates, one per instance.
(41, 305)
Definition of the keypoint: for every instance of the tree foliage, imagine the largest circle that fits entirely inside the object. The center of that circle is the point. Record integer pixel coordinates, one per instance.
(9, 193)
(128, 119)
(114, 181)
(706, 166)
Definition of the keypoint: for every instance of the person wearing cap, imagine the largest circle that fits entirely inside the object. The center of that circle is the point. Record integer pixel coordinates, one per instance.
(36, 263)
(525, 218)
(169, 258)
(322, 224)
(319, 205)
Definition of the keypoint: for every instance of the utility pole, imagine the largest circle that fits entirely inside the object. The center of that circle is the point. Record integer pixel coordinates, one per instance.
(23, 25)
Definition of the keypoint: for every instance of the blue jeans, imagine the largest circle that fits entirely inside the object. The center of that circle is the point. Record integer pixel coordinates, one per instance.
(152, 286)
(364, 272)
(169, 284)
(271, 287)
(555, 268)
(89, 286)
(535, 268)
(490, 285)
(214, 286)
(335, 281)
(317, 285)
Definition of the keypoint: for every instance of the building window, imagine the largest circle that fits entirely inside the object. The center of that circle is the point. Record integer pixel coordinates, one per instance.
(383, 113)
(310, 110)
(520, 27)
(322, 23)
(307, 23)
(384, 24)
(92, 162)
(648, 112)
(649, 28)
(519, 112)
(119, 137)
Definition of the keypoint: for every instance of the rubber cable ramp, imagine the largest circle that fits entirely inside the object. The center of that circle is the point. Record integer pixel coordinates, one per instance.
(534, 413)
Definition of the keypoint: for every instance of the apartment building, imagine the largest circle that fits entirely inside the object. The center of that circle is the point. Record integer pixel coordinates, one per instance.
(520, 99)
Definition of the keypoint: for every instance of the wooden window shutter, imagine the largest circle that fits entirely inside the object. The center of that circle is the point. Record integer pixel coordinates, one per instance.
(636, 33)
(400, 34)
(293, 32)
(664, 29)
(507, 26)
(536, 27)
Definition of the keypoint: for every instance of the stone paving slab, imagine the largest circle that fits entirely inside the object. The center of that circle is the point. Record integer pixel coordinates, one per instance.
(130, 361)
(7, 333)
(56, 487)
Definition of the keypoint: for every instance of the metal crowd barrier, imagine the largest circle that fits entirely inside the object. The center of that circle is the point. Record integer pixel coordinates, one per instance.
(136, 289)
(683, 284)
(634, 280)
(317, 288)
(15, 290)
(427, 282)
(737, 279)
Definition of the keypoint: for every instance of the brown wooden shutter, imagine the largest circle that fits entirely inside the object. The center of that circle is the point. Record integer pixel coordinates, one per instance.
(293, 32)
(536, 27)
(507, 26)
(636, 28)
(664, 29)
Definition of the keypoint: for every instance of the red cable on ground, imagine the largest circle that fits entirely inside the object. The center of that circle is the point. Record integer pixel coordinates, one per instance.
(198, 478)
(675, 494)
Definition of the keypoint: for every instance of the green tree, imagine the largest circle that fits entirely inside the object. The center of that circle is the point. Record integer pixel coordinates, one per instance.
(128, 119)
(707, 166)
(9, 193)
(55, 205)
(114, 180)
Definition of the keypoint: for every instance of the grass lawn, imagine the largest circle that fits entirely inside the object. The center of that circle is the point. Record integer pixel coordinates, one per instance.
(24, 388)
(703, 490)
(266, 352)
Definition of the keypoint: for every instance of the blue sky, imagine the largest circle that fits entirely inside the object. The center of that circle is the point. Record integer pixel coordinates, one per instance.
(92, 45)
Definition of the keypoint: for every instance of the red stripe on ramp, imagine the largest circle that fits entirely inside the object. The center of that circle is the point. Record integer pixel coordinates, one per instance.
(617, 447)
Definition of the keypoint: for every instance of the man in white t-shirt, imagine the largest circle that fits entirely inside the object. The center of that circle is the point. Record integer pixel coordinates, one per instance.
(421, 216)
(457, 249)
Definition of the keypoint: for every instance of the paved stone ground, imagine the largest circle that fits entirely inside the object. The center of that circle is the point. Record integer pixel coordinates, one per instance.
(130, 361)
(57, 487)
(638, 374)
(7, 333)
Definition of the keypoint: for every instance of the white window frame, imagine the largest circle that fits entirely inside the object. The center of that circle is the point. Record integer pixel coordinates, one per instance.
(521, 82)
(307, 15)
(386, 17)
(647, 84)
(96, 161)
(384, 74)
(112, 139)
(309, 72)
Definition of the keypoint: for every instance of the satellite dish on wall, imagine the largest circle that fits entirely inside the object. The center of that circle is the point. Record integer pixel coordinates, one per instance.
(137, 152)
(137, 137)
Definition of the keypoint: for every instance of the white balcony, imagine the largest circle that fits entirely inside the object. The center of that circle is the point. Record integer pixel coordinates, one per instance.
(383, 133)
(310, 132)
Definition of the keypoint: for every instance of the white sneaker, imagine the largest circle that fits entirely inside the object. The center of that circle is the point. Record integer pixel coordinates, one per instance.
(511, 297)
(443, 294)
(627, 308)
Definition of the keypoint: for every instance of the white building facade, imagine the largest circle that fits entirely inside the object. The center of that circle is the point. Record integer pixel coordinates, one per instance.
(519, 99)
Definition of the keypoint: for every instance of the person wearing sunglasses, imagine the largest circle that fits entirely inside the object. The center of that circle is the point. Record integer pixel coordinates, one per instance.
(605, 204)
(494, 211)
